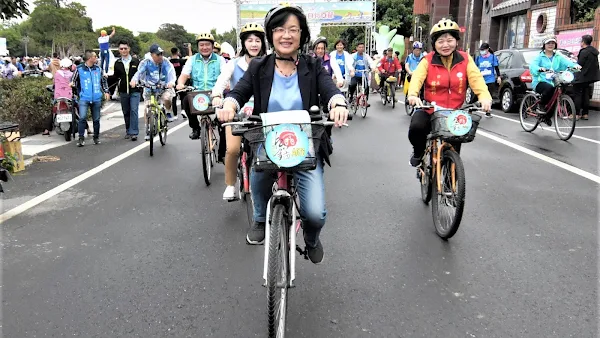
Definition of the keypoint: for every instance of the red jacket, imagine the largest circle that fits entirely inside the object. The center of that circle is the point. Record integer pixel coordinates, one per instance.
(446, 88)
(390, 67)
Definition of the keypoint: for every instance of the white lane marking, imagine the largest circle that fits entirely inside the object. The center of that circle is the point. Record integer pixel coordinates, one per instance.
(55, 191)
(587, 127)
(107, 107)
(562, 165)
(552, 131)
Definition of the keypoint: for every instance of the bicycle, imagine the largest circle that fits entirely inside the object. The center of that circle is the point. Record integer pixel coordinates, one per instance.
(360, 100)
(282, 148)
(560, 102)
(388, 92)
(441, 165)
(410, 109)
(200, 104)
(156, 119)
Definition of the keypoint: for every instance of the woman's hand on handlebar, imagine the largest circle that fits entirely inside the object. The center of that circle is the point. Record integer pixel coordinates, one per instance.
(226, 113)
(486, 105)
(415, 101)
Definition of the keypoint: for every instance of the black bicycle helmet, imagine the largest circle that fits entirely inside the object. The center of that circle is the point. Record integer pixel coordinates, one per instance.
(319, 40)
(286, 7)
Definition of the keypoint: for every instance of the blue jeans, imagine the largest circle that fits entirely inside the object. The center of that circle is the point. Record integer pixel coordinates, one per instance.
(104, 60)
(83, 111)
(130, 104)
(311, 191)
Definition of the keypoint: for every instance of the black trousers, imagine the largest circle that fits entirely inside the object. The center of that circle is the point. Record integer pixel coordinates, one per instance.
(420, 127)
(354, 83)
(174, 102)
(547, 90)
(582, 98)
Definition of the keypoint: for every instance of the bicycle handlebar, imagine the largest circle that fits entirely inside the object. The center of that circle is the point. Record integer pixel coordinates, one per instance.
(186, 89)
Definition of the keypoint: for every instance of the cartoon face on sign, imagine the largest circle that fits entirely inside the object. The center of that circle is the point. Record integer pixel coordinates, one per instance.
(459, 123)
(286, 145)
(200, 102)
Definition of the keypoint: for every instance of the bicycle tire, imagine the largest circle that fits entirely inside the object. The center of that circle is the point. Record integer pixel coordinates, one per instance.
(426, 186)
(522, 107)
(278, 254)
(162, 134)
(459, 200)
(206, 153)
(151, 131)
(384, 95)
(571, 104)
(393, 96)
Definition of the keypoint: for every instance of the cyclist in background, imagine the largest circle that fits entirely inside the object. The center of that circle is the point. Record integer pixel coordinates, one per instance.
(362, 64)
(390, 66)
(341, 63)
(217, 48)
(156, 71)
(320, 50)
(253, 45)
(203, 68)
(412, 61)
(444, 74)
(178, 63)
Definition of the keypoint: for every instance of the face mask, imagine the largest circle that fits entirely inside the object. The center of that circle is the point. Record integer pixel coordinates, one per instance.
(483, 52)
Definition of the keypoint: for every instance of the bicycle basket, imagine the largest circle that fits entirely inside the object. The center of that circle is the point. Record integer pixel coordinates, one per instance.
(200, 103)
(287, 151)
(392, 79)
(454, 125)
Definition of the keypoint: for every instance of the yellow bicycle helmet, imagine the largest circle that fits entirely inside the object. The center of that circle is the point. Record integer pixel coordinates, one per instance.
(252, 28)
(205, 37)
(442, 27)
(217, 45)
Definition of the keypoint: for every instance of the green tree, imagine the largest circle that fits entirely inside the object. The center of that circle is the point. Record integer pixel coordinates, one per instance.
(12, 9)
(583, 10)
(396, 14)
(121, 33)
(175, 33)
(147, 39)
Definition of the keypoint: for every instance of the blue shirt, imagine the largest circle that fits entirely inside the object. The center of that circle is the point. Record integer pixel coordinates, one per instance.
(285, 93)
(359, 65)
(341, 62)
(412, 61)
(486, 65)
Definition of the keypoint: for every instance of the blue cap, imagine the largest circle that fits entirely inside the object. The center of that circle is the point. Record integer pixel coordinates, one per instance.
(155, 49)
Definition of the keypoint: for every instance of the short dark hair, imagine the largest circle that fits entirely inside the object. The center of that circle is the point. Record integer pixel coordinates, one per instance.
(123, 42)
(263, 45)
(174, 50)
(360, 43)
(279, 19)
(88, 53)
(342, 42)
(55, 55)
(587, 39)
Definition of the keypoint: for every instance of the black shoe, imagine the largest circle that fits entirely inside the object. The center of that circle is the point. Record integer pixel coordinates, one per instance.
(195, 134)
(315, 254)
(488, 114)
(134, 137)
(81, 142)
(256, 234)
(96, 140)
(415, 160)
(548, 121)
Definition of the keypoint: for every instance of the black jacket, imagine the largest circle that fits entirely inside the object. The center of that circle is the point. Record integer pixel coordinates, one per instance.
(313, 81)
(124, 79)
(588, 60)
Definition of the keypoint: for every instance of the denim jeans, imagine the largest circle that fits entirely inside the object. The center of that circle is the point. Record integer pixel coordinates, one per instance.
(83, 111)
(104, 60)
(311, 191)
(130, 104)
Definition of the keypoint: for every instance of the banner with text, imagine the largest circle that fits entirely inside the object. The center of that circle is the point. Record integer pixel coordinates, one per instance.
(571, 40)
(321, 12)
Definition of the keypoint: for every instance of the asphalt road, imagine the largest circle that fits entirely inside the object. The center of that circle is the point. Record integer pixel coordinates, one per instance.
(145, 249)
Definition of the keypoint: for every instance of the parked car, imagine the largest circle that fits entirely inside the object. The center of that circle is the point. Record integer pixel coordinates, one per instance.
(516, 78)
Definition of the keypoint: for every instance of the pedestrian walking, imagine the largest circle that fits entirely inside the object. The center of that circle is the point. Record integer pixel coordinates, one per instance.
(125, 68)
(488, 65)
(91, 85)
(178, 64)
(590, 73)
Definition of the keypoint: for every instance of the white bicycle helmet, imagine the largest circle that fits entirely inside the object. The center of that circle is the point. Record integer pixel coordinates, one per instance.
(65, 63)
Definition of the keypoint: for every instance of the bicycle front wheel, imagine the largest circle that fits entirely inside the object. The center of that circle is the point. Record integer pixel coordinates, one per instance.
(527, 115)
(152, 131)
(277, 273)
(206, 152)
(565, 117)
(162, 130)
(363, 104)
(449, 201)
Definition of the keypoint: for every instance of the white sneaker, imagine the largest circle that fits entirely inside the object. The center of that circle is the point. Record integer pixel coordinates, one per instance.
(183, 114)
(229, 193)
(176, 117)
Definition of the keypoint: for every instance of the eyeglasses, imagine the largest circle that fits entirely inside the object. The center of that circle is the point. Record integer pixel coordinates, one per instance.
(123, 48)
(290, 31)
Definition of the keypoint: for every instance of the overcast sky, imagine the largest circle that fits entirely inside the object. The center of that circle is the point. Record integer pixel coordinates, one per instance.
(195, 15)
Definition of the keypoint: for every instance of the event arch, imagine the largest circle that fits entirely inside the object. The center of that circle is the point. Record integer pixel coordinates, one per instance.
(320, 13)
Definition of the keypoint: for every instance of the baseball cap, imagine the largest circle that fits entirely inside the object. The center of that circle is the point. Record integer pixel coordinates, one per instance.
(155, 49)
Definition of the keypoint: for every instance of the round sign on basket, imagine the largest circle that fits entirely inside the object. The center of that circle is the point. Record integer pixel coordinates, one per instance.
(201, 102)
(459, 123)
(287, 145)
(567, 77)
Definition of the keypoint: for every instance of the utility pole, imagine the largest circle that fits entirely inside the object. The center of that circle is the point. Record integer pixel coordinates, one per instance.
(25, 40)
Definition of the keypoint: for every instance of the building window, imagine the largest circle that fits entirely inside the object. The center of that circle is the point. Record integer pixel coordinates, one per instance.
(541, 23)
(515, 31)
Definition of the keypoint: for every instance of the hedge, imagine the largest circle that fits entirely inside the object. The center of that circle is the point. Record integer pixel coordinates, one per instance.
(27, 102)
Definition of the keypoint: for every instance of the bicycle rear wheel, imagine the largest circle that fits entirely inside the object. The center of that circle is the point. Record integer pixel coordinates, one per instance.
(206, 152)
(162, 131)
(564, 109)
(425, 176)
(527, 115)
(451, 196)
(152, 130)
(277, 273)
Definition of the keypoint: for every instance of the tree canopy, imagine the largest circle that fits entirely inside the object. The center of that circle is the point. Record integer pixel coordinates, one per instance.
(12, 9)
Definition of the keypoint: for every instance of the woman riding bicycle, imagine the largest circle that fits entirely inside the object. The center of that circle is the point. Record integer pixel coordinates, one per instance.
(412, 61)
(548, 59)
(445, 73)
(320, 50)
(253, 37)
(282, 81)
